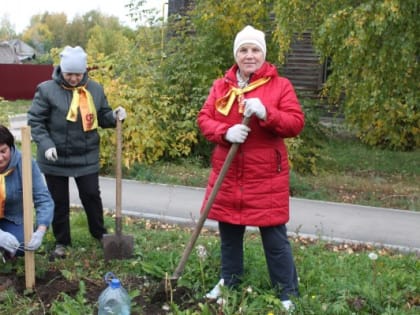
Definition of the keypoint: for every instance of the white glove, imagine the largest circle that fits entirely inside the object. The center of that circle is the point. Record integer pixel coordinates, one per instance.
(237, 133)
(51, 154)
(254, 106)
(9, 242)
(36, 240)
(120, 111)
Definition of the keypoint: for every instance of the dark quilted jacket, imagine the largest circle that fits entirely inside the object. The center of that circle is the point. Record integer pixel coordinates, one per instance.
(78, 151)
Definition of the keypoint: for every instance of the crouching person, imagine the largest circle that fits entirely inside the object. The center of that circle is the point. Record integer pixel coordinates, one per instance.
(11, 200)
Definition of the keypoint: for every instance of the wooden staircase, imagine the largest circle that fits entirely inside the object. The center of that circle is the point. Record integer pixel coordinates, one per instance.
(304, 68)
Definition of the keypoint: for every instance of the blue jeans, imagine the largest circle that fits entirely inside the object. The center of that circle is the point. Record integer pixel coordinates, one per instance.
(16, 230)
(278, 254)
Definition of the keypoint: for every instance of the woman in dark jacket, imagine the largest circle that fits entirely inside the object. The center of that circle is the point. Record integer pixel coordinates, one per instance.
(255, 190)
(65, 114)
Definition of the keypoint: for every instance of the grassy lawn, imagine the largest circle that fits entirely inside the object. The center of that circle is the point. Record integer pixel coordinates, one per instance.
(334, 278)
(9, 108)
(354, 173)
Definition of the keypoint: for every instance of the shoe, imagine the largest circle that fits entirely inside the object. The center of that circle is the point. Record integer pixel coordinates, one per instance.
(221, 301)
(288, 305)
(216, 291)
(58, 252)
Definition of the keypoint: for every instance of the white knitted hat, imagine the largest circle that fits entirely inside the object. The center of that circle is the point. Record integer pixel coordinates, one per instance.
(73, 60)
(249, 35)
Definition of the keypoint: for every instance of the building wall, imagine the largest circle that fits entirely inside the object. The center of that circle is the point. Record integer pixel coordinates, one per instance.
(179, 6)
(19, 81)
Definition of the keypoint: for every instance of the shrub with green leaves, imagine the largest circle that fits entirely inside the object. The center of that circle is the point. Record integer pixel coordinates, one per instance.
(374, 48)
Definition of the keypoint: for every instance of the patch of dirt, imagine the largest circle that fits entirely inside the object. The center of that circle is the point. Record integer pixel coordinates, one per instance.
(53, 285)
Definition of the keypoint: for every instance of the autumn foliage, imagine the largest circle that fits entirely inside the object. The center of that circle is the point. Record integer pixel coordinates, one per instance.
(161, 72)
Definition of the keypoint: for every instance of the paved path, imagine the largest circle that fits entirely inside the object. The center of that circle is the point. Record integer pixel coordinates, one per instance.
(332, 221)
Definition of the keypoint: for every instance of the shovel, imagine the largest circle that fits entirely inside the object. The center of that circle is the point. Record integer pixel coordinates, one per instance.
(163, 287)
(118, 246)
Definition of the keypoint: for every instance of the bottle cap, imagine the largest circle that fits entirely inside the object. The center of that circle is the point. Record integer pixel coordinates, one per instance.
(115, 283)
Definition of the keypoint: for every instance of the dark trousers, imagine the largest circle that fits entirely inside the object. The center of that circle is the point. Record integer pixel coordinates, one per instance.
(278, 254)
(90, 196)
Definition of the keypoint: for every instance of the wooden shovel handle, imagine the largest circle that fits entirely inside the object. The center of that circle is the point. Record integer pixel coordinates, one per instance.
(118, 176)
(187, 251)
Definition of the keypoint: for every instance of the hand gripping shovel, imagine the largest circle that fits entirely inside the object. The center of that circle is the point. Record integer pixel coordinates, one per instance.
(187, 251)
(118, 246)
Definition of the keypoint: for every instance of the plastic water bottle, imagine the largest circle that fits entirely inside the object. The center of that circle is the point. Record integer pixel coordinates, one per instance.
(114, 299)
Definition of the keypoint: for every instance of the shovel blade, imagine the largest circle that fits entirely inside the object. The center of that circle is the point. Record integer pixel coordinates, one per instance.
(117, 246)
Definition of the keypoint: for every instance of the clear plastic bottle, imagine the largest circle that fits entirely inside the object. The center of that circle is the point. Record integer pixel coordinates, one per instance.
(114, 299)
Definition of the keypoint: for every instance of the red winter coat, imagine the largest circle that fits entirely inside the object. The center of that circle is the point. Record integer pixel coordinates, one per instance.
(255, 190)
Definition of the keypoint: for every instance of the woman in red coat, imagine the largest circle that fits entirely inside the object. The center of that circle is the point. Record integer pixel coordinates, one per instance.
(255, 190)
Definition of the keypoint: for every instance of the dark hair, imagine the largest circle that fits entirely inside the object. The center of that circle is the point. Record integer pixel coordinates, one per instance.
(6, 137)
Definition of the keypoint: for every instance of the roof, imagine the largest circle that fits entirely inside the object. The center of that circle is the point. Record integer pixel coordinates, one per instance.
(15, 51)
(7, 54)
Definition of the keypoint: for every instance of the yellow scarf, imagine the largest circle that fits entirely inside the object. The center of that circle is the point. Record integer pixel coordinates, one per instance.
(3, 191)
(224, 104)
(83, 99)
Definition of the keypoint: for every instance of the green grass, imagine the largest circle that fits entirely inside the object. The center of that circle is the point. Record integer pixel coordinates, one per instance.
(354, 173)
(334, 278)
(187, 172)
(9, 108)
(349, 155)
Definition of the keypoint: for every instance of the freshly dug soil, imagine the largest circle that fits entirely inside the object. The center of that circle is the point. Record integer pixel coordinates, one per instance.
(53, 285)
